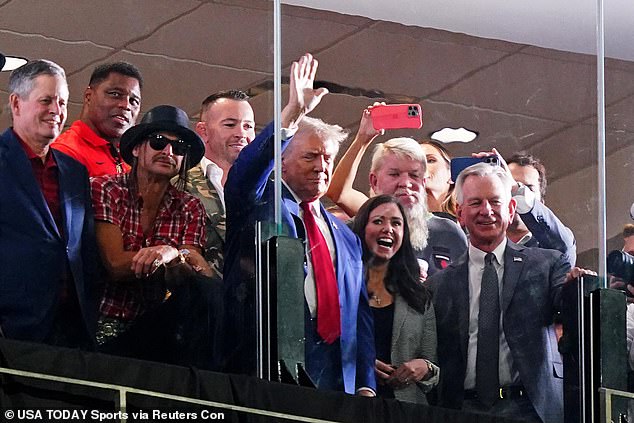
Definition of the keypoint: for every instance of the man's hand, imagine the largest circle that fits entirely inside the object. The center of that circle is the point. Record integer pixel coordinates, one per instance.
(576, 272)
(302, 98)
(147, 260)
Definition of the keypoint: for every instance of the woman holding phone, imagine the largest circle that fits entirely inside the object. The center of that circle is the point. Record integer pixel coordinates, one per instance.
(404, 320)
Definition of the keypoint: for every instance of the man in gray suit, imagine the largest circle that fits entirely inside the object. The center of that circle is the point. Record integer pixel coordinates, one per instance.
(493, 309)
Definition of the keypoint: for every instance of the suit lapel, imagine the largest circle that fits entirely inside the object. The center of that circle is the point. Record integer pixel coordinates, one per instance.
(69, 214)
(400, 315)
(513, 265)
(22, 171)
(462, 300)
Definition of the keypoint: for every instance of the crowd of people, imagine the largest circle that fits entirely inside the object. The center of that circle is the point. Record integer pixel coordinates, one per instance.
(137, 239)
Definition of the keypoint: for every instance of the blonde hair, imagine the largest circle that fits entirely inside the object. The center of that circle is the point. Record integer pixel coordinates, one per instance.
(400, 147)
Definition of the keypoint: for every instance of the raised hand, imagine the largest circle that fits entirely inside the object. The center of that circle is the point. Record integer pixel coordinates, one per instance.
(366, 132)
(303, 98)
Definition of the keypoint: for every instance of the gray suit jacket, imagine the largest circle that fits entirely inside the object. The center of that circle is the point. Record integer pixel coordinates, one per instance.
(413, 336)
(532, 284)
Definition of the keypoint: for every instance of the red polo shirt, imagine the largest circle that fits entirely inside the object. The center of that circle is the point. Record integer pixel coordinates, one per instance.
(47, 177)
(96, 154)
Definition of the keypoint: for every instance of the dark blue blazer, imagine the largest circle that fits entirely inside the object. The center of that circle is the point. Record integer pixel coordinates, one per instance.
(249, 197)
(531, 290)
(549, 232)
(33, 254)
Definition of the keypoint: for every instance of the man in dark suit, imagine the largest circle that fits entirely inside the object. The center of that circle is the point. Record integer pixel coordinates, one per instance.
(46, 224)
(494, 307)
(340, 346)
(535, 225)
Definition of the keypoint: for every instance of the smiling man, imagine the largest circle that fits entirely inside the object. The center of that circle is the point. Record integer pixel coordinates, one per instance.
(494, 307)
(112, 102)
(226, 126)
(46, 226)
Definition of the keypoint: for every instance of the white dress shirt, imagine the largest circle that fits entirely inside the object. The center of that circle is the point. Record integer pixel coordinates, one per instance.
(507, 374)
(214, 174)
(310, 291)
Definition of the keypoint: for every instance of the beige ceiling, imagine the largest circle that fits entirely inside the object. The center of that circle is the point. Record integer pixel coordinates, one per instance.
(518, 97)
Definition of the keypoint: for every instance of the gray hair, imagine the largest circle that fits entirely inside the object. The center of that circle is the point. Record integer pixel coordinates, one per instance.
(21, 79)
(482, 170)
(401, 147)
(326, 131)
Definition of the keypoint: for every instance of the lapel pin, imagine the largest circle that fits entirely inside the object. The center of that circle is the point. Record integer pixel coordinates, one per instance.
(517, 259)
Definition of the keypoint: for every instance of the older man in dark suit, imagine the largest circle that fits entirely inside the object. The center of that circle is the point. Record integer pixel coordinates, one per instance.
(339, 339)
(46, 224)
(493, 310)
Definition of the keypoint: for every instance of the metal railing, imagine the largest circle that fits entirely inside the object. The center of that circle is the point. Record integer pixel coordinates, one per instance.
(616, 406)
(123, 391)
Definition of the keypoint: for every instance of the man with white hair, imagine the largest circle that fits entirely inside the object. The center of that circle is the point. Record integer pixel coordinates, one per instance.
(398, 168)
(494, 307)
(339, 341)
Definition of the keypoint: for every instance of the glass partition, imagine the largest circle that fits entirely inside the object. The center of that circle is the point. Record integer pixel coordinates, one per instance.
(523, 78)
(619, 120)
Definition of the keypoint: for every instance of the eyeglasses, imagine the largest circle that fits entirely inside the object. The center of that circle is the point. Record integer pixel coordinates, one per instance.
(158, 142)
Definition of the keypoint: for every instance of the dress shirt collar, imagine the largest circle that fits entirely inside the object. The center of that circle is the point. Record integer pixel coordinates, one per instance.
(211, 170)
(314, 205)
(476, 255)
(213, 173)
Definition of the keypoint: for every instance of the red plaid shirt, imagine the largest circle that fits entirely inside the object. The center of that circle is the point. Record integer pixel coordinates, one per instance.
(180, 221)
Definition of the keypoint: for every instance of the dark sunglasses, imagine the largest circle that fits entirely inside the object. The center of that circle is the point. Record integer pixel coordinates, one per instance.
(158, 142)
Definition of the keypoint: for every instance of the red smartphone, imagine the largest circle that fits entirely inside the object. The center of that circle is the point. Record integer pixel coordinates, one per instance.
(396, 116)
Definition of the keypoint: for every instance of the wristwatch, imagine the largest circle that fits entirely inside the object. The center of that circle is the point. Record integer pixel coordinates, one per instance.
(432, 370)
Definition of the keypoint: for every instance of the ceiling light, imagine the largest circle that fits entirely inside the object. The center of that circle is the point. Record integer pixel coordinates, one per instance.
(449, 135)
(13, 62)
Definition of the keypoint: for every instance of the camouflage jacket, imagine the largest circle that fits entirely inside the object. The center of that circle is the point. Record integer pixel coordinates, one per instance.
(200, 187)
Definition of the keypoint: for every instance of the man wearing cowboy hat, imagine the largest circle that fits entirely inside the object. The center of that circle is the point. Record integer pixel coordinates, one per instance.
(150, 233)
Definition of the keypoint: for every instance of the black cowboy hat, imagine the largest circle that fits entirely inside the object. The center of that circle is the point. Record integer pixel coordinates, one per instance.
(163, 119)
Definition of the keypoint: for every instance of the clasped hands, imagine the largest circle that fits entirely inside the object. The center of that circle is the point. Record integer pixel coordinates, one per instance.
(399, 377)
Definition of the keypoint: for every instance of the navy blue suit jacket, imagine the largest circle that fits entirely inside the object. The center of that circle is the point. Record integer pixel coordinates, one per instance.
(34, 253)
(531, 289)
(549, 232)
(249, 197)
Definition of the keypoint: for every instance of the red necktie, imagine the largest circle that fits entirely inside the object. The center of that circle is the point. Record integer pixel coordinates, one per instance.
(328, 318)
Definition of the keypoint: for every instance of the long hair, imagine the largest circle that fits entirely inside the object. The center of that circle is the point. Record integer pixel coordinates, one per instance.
(449, 203)
(179, 181)
(403, 271)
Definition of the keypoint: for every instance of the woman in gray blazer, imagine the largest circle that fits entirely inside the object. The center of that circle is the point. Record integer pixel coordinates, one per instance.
(404, 319)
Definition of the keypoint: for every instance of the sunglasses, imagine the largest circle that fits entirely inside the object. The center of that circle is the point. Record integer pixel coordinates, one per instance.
(158, 142)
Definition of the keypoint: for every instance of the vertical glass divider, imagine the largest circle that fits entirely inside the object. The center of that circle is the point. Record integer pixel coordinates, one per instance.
(601, 224)
(277, 109)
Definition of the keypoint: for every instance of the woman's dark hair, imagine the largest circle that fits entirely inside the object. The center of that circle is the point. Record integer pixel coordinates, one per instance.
(403, 271)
